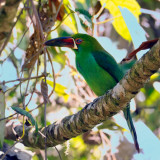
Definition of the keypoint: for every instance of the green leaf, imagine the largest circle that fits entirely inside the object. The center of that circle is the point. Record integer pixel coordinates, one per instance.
(84, 12)
(27, 114)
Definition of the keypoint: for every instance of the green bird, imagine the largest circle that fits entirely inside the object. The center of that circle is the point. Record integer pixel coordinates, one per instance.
(97, 66)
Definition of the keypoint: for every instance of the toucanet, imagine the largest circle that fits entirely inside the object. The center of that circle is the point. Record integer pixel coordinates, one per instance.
(97, 66)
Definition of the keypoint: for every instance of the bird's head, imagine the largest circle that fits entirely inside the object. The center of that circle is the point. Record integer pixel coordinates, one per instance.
(77, 42)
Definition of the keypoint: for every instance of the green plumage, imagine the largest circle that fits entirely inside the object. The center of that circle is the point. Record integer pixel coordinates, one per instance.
(101, 71)
(98, 67)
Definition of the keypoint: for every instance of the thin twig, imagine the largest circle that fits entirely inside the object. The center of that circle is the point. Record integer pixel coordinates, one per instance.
(58, 24)
(22, 79)
(38, 20)
(20, 87)
(35, 83)
(45, 125)
(16, 45)
(99, 12)
(30, 72)
(42, 38)
(54, 80)
(8, 37)
(94, 19)
(8, 150)
(108, 20)
(8, 117)
(58, 9)
(20, 82)
(30, 16)
(21, 115)
(58, 153)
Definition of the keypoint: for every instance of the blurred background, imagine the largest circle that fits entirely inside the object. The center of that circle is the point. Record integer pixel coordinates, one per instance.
(120, 26)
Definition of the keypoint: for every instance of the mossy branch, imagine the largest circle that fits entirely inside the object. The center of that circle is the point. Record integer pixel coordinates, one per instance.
(95, 112)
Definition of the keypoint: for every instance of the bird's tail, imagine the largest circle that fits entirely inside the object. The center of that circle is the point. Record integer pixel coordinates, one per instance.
(128, 118)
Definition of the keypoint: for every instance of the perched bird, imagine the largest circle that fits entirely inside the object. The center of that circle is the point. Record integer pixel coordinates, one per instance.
(97, 66)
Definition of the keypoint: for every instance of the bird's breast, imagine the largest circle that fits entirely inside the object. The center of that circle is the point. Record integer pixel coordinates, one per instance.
(99, 80)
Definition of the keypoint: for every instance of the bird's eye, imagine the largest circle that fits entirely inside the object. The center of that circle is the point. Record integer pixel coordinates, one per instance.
(78, 41)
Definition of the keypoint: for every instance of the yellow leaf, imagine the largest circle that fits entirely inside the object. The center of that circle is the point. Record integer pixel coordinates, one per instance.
(78, 143)
(154, 76)
(70, 22)
(118, 22)
(66, 97)
(27, 109)
(60, 90)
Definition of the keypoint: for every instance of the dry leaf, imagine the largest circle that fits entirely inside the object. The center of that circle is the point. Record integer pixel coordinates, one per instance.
(44, 91)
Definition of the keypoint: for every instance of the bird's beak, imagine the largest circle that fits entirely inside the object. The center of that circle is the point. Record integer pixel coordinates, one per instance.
(62, 42)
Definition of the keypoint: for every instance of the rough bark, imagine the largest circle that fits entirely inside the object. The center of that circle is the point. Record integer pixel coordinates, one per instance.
(95, 112)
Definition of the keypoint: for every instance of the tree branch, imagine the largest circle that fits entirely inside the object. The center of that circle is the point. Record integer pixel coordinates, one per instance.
(95, 112)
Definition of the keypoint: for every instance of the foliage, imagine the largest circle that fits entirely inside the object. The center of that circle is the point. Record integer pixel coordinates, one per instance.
(118, 21)
(27, 114)
(67, 91)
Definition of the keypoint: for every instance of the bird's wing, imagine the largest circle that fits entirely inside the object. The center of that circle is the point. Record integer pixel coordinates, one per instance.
(108, 63)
